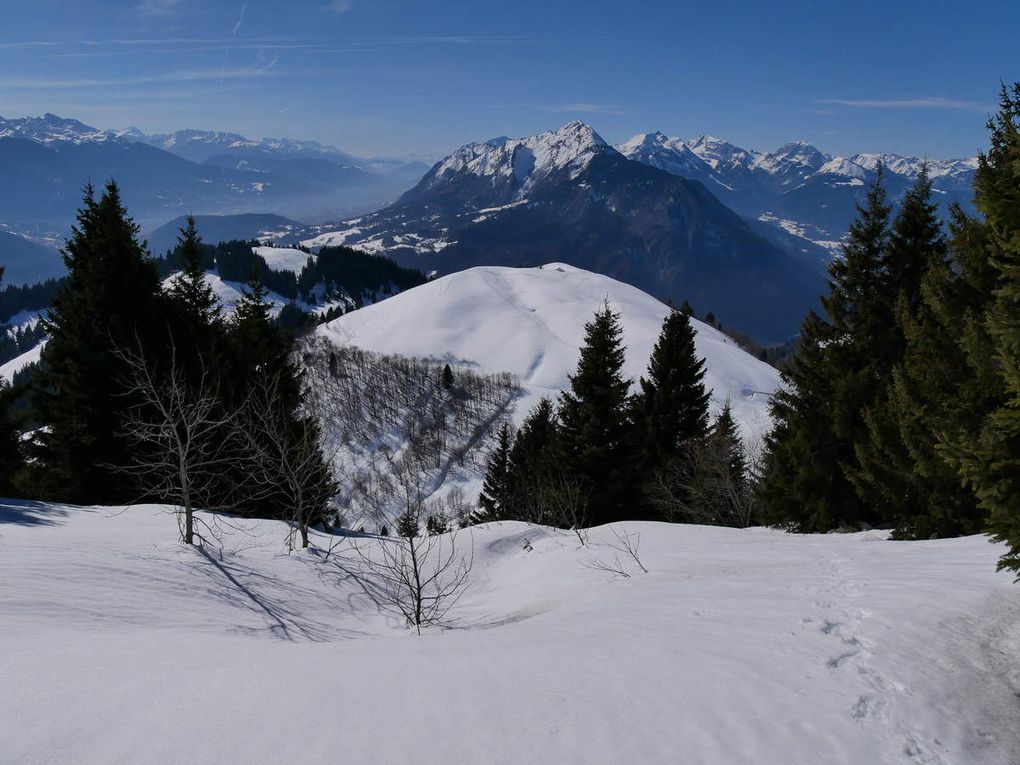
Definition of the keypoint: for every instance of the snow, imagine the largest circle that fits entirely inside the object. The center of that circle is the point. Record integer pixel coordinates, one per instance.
(15, 365)
(229, 293)
(526, 159)
(739, 646)
(530, 322)
(283, 258)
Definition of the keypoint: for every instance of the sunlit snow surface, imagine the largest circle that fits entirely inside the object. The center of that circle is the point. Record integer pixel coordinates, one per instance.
(530, 321)
(120, 645)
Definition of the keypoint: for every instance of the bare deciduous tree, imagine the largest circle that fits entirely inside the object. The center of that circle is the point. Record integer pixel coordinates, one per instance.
(627, 545)
(183, 436)
(285, 458)
(699, 487)
(559, 499)
(421, 577)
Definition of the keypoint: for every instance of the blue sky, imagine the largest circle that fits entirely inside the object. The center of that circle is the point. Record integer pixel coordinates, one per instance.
(398, 77)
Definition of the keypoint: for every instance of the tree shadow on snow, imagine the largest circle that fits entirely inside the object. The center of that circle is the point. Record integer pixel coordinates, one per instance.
(26, 513)
(246, 588)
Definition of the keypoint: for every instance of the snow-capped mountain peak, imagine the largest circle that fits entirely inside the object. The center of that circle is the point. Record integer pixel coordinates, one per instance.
(659, 150)
(719, 154)
(526, 159)
(51, 129)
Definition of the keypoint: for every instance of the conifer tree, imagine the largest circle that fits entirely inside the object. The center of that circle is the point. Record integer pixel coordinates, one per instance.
(111, 299)
(195, 313)
(534, 461)
(671, 408)
(257, 346)
(189, 291)
(898, 472)
(260, 361)
(830, 381)
(989, 460)
(726, 437)
(593, 414)
(496, 490)
(10, 451)
(721, 479)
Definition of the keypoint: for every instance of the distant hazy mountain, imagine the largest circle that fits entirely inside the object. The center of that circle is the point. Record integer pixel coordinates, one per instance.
(796, 188)
(47, 160)
(25, 261)
(567, 195)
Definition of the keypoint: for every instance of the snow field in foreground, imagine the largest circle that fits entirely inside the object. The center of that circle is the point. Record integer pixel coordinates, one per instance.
(119, 644)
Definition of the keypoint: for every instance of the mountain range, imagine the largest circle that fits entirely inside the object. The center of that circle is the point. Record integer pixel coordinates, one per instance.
(567, 195)
(742, 233)
(45, 162)
(797, 187)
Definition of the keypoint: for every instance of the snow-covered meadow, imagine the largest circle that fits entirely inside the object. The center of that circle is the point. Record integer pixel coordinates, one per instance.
(119, 644)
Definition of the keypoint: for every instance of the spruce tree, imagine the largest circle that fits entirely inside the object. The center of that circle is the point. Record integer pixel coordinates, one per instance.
(260, 361)
(195, 313)
(989, 460)
(10, 451)
(726, 436)
(722, 491)
(258, 347)
(830, 381)
(111, 299)
(594, 421)
(671, 408)
(496, 489)
(189, 291)
(535, 460)
(895, 471)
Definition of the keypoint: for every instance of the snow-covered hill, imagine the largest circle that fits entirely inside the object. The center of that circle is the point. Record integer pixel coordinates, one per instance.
(530, 322)
(118, 644)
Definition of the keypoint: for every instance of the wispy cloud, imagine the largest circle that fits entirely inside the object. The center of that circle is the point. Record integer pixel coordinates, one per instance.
(339, 6)
(193, 75)
(233, 36)
(910, 103)
(22, 45)
(583, 107)
(158, 8)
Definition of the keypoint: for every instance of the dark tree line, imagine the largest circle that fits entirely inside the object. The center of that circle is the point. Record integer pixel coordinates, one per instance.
(342, 272)
(902, 406)
(601, 454)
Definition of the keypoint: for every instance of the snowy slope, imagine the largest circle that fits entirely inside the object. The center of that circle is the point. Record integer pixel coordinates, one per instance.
(283, 258)
(739, 646)
(15, 365)
(530, 321)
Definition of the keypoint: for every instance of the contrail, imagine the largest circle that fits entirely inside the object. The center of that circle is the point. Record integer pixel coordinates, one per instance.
(233, 36)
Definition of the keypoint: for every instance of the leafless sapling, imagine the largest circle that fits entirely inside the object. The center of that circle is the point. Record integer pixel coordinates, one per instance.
(182, 434)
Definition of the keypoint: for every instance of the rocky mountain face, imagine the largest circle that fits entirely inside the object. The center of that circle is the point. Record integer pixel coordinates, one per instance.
(567, 195)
